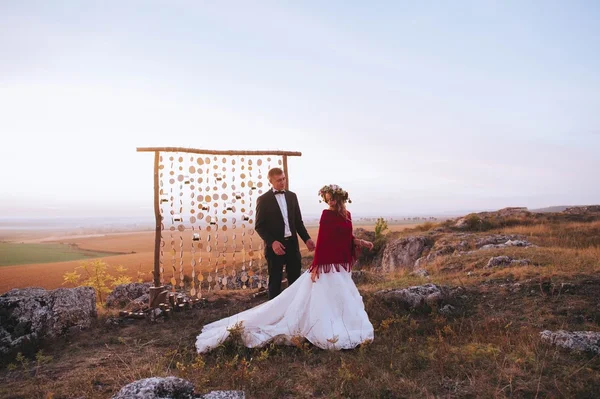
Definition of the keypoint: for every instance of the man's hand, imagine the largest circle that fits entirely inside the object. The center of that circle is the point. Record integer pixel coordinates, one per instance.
(278, 248)
(310, 244)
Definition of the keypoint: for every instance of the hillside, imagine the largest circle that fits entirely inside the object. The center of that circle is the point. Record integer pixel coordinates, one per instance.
(486, 344)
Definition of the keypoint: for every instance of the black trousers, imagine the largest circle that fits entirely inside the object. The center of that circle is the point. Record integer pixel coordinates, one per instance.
(293, 265)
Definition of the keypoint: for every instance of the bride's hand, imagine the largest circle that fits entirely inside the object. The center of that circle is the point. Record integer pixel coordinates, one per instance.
(368, 245)
(314, 275)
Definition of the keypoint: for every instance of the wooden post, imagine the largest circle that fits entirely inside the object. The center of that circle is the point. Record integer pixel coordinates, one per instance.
(158, 219)
(285, 171)
(157, 294)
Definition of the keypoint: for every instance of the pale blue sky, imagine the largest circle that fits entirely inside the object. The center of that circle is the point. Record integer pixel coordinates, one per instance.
(414, 107)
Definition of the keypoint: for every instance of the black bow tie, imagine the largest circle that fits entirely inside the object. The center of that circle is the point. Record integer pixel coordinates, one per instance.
(278, 192)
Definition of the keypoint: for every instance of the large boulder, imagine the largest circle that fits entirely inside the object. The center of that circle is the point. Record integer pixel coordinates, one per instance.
(30, 314)
(578, 341)
(169, 388)
(404, 252)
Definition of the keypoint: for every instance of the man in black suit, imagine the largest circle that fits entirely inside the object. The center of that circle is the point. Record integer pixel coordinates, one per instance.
(279, 222)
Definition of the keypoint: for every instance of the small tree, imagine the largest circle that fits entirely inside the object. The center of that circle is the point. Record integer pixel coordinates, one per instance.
(380, 226)
(95, 274)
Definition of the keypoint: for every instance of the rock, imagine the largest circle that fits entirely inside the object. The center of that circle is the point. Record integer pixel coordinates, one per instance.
(138, 304)
(520, 262)
(581, 210)
(497, 239)
(490, 246)
(157, 388)
(517, 243)
(447, 310)
(418, 296)
(224, 395)
(30, 314)
(170, 388)
(499, 261)
(155, 314)
(460, 223)
(403, 252)
(462, 246)
(420, 273)
(124, 294)
(364, 234)
(509, 243)
(579, 341)
(506, 261)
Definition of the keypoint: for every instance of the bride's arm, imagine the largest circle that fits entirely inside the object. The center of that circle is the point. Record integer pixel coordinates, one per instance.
(363, 243)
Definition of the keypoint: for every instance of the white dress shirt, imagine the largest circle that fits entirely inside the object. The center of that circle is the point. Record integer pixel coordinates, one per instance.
(284, 211)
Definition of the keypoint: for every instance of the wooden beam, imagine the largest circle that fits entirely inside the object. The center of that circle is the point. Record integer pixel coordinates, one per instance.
(285, 171)
(217, 152)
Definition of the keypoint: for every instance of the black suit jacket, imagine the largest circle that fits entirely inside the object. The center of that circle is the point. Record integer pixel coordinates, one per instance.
(269, 220)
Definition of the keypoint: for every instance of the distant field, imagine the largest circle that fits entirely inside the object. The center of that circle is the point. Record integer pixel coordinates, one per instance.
(22, 254)
(134, 250)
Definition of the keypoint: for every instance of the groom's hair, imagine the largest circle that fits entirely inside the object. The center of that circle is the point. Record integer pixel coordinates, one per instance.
(274, 172)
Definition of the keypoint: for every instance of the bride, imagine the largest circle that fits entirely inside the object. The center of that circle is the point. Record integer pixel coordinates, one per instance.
(322, 305)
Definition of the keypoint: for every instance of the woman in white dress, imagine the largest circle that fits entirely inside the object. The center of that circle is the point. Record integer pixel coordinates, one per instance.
(323, 305)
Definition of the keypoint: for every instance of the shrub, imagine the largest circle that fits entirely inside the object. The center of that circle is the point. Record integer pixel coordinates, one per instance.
(95, 274)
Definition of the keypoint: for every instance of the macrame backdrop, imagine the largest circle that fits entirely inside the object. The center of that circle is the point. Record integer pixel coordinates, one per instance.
(205, 204)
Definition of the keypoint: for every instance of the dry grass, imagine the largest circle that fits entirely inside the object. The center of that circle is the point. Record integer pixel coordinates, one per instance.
(566, 235)
(489, 348)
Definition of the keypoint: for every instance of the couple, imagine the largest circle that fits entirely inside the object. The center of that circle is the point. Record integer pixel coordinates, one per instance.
(321, 305)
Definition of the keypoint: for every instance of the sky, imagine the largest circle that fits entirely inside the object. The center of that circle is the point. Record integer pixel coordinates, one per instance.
(415, 108)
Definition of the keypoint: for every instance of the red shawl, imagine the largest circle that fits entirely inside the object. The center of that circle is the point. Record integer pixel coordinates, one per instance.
(335, 243)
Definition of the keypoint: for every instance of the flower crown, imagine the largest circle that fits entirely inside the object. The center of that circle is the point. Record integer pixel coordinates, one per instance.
(334, 190)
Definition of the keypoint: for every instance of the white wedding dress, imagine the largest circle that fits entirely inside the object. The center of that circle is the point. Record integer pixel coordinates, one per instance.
(329, 313)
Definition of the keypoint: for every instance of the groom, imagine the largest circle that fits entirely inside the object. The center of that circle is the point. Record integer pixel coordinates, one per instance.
(279, 222)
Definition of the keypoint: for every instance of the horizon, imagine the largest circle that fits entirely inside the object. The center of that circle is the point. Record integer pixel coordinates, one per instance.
(149, 219)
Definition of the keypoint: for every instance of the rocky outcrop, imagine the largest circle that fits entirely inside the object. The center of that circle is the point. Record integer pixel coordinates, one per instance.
(417, 297)
(170, 388)
(582, 210)
(578, 341)
(404, 252)
(30, 314)
(497, 239)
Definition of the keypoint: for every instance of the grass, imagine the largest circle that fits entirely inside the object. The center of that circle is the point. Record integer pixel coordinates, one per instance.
(489, 348)
(21, 254)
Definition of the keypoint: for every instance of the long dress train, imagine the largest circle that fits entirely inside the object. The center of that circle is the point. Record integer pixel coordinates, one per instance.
(329, 313)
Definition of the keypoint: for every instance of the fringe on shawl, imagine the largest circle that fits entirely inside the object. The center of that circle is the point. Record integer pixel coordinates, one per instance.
(329, 267)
